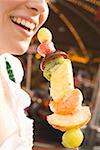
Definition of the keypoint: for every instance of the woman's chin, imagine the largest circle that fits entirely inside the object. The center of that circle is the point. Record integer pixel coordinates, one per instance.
(15, 47)
(19, 50)
(17, 53)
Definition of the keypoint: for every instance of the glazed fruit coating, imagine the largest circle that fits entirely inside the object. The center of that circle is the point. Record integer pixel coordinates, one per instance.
(61, 81)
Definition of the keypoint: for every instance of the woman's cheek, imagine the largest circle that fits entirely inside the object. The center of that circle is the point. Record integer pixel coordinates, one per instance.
(43, 17)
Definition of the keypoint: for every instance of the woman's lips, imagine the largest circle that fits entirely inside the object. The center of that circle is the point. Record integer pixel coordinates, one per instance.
(24, 26)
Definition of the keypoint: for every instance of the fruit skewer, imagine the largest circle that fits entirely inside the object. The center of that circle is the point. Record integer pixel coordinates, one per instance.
(68, 114)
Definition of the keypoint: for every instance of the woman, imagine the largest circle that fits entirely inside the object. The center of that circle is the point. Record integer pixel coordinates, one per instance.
(19, 21)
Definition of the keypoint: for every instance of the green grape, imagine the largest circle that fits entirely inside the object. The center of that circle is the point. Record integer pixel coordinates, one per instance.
(72, 138)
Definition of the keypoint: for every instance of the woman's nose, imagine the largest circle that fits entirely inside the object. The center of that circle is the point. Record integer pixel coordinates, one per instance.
(38, 6)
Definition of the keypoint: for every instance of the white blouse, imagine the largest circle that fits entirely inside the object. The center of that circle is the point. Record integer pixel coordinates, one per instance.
(16, 130)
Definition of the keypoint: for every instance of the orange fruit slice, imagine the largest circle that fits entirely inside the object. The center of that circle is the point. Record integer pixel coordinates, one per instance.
(69, 104)
(66, 122)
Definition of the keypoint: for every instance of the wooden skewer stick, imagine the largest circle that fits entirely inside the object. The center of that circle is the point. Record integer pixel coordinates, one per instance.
(76, 148)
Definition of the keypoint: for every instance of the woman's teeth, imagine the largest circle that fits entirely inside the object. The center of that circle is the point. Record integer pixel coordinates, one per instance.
(29, 26)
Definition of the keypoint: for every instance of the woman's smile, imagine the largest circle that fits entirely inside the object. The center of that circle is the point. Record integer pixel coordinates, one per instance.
(25, 25)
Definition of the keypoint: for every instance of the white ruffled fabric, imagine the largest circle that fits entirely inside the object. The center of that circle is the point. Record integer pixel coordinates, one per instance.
(15, 128)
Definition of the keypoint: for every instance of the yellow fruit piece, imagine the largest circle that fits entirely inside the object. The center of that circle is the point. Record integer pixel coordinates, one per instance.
(44, 34)
(61, 81)
(66, 122)
(72, 138)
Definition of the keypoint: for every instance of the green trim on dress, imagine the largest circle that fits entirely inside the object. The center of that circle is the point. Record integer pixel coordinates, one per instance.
(10, 71)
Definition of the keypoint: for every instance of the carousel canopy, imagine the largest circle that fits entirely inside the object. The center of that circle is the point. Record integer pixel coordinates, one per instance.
(75, 25)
